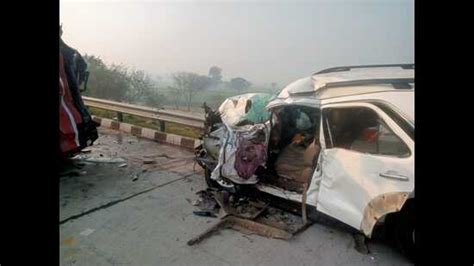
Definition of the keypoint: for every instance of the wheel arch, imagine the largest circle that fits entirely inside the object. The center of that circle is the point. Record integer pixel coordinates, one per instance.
(381, 206)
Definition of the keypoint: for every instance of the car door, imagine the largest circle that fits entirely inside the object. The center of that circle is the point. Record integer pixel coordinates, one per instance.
(365, 154)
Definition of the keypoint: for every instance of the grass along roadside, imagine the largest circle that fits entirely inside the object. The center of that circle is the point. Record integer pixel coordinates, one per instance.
(170, 127)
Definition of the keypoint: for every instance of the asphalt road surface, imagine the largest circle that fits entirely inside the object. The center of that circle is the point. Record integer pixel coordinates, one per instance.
(139, 214)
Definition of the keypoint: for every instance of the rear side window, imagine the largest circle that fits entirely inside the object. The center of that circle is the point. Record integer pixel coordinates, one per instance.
(361, 129)
(409, 130)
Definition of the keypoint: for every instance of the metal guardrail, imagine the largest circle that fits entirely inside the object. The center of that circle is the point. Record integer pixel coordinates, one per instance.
(162, 116)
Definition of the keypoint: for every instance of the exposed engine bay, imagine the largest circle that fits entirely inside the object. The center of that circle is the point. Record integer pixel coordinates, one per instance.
(244, 143)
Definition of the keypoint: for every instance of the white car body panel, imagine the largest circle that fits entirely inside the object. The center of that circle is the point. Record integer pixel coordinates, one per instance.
(351, 179)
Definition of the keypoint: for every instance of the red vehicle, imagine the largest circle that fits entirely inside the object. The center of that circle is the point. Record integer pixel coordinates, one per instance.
(77, 129)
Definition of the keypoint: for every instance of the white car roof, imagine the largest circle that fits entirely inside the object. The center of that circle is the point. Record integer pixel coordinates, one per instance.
(390, 83)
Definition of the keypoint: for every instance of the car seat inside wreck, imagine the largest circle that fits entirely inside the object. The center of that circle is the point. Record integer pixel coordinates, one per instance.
(293, 148)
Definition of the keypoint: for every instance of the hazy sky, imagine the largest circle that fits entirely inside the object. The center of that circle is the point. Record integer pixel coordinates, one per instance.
(263, 41)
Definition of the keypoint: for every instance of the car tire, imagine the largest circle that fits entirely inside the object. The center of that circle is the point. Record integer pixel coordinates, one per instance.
(405, 231)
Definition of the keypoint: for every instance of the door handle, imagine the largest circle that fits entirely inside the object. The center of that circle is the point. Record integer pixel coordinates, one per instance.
(394, 175)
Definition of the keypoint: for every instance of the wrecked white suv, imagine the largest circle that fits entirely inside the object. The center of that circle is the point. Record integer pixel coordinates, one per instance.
(341, 140)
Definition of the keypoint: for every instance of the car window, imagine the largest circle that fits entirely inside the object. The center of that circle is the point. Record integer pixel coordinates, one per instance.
(361, 129)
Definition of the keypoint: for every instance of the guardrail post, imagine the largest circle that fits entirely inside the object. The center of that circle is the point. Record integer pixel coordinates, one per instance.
(119, 117)
(162, 126)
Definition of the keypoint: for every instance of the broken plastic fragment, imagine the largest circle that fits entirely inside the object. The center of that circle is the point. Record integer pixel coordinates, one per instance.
(135, 178)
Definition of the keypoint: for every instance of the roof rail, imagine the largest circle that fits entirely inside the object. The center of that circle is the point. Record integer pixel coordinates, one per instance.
(348, 68)
(400, 83)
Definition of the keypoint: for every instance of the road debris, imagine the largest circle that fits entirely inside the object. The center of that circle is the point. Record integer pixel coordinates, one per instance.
(211, 230)
(244, 207)
(135, 177)
(247, 226)
(243, 225)
(206, 201)
(246, 215)
(204, 214)
(123, 165)
(149, 161)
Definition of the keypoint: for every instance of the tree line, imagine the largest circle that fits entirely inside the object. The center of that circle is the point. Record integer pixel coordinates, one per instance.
(119, 83)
